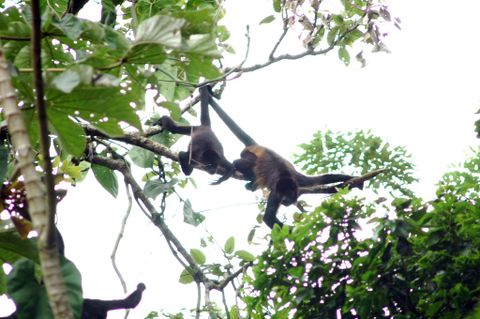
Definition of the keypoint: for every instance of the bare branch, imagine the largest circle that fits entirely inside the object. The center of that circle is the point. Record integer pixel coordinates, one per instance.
(119, 238)
(154, 216)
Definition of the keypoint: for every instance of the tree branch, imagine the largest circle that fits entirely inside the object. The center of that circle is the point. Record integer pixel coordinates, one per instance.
(154, 216)
(119, 238)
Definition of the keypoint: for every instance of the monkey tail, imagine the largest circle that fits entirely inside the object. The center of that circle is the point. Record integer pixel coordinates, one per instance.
(236, 130)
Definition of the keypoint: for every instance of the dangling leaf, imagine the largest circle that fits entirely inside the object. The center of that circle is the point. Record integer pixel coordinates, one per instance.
(107, 178)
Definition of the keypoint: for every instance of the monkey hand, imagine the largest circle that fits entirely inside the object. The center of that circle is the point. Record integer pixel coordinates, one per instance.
(163, 122)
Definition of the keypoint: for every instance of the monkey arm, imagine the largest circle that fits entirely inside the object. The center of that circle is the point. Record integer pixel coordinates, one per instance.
(270, 217)
(168, 124)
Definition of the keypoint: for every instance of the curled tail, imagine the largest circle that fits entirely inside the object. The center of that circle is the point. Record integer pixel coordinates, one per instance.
(236, 130)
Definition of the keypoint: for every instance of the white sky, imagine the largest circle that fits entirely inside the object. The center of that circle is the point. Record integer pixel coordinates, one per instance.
(423, 96)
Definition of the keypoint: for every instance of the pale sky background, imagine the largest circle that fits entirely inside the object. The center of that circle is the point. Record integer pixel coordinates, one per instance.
(423, 96)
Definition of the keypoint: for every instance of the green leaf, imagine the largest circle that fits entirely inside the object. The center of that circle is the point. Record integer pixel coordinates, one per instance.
(107, 178)
(198, 256)
(30, 295)
(144, 53)
(70, 25)
(66, 81)
(229, 245)
(185, 277)
(244, 255)
(162, 30)
(4, 154)
(203, 44)
(141, 157)
(190, 216)
(156, 187)
(344, 55)
(13, 247)
(70, 134)
(234, 313)
(268, 19)
(277, 5)
(332, 35)
(103, 107)
(3, 282)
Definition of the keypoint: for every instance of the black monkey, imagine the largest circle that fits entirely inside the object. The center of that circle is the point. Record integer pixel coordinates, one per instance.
(96, 308)
(266, 169)
(204, 148)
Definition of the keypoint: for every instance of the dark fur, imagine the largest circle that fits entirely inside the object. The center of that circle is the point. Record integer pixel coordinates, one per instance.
(98, 309)
(266, 169)
(204, 148)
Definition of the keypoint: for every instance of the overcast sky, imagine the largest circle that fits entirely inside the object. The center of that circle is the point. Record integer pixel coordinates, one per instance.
(422, 96)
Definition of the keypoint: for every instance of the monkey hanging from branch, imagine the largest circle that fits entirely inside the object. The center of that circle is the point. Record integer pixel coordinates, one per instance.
(264, 168)
(204, 149)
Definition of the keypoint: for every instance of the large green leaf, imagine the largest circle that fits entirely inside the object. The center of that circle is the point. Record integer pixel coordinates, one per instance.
(30, 295)
(101, 106)
(70, 25)
(146, 53)
(70, 134)
(141, 157)
(107, 178)
(160, 29)
(203, 44)
(12, 247)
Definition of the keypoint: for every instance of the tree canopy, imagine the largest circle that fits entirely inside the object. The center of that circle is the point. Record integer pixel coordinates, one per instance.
(81, 96)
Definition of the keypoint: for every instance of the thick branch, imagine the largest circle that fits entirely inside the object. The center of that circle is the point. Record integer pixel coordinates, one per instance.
(52, 275)
(137, 139)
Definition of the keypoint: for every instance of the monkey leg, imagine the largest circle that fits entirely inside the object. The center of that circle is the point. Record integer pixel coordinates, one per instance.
(184, 160)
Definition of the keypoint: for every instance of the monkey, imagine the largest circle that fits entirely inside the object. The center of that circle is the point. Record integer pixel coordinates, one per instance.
(264, 168)
(98, 309)
(204, 148)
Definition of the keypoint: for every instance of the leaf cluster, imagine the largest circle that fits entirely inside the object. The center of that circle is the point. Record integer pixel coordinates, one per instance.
(357, 153)
(421, 261)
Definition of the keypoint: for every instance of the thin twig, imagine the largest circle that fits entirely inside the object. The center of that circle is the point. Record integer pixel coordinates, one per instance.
(199, 301)
(119, 238)
(224, 301)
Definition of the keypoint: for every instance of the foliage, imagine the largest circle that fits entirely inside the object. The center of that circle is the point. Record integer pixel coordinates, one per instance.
(27, 290)
(357, 153)
(421, 261)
